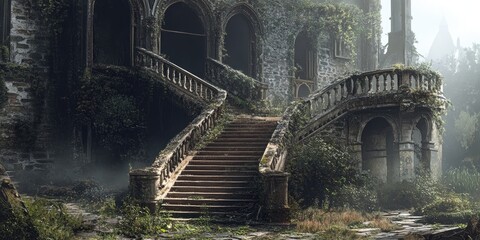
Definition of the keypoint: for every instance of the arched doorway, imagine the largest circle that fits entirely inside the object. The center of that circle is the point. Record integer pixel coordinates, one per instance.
(112, 32)
(305, 65)
(240, 44)
(379, 152)
(420, 141)
(183, 38)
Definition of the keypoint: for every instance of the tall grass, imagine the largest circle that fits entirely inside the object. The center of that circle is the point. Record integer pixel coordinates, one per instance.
(463, 180)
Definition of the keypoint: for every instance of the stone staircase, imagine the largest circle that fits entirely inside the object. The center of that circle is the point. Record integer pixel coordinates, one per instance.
(220, 179)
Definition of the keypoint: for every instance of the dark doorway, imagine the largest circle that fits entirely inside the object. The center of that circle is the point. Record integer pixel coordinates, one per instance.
(419, 137)
(239, 44)
(112, 27)
(183, 38)
(379, 152)
(305, 66)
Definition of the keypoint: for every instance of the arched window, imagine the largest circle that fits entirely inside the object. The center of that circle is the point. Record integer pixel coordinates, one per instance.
(112, 32)
(239, 44)
(183, 38)
(305, 65)
(379, 153)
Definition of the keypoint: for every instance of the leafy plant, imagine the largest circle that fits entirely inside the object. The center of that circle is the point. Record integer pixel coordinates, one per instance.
(319, 170)
(51, 219)
(139, 221)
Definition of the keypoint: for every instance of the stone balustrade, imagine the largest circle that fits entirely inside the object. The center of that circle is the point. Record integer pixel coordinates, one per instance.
(235, 82)
(306, 117)
(147, 184)
(176, 75)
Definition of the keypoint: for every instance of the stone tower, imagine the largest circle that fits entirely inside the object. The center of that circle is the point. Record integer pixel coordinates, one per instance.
(401, 38)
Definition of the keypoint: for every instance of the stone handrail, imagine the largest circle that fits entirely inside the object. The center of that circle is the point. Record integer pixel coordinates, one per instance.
(235, 82)
(176, 75)
(323, 103)
(146, 184)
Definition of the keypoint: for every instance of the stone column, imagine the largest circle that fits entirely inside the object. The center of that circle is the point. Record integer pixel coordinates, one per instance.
(406, 155)
(356, 150)
(276, 196)
(144, 187)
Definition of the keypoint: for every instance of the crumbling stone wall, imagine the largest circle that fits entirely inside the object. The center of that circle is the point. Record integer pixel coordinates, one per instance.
(24, 135)
(29, 40)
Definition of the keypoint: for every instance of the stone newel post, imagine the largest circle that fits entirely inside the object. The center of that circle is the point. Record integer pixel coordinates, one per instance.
(145, 186)
(276, 196)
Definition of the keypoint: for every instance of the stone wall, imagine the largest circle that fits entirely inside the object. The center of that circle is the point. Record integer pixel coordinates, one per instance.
(23, 132)
(279, 28)
(28, 37)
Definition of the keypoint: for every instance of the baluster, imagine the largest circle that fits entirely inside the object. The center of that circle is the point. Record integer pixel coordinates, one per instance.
(184, 83)
(392, 82)
(189, 84)
(370, 84)
(384, 82)
(168, 73)
(377, 81)
(201, 90)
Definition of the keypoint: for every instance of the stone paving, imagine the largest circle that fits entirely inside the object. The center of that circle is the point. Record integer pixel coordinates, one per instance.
(407, 224)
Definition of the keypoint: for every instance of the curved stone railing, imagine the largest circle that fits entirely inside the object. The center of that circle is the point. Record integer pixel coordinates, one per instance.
(146, 184)
(235, 82)
(306, 117)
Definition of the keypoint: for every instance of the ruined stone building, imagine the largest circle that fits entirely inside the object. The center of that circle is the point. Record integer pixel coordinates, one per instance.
(256, 50)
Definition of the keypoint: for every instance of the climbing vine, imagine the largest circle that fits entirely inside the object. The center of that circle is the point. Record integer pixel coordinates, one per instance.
(53, 13)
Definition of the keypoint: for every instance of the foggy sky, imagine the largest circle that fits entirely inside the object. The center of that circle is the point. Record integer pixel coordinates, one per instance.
(462, 16)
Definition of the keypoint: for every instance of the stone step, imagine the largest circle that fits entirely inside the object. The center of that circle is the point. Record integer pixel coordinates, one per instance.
(222, 167)
(238, 190)
(213, 195)
(224, 162)
(245, 135)
(213, 183)
(218, 143)
(247, 130)
(195, 200)
(197, 214)
(204, 208)
(227, 158)
(236, 148)
(184, 177)
(239, 140)
(219, 172)
(230, 153)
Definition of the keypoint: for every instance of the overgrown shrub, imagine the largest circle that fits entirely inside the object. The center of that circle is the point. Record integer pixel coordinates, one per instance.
(319, 170)
(138, 221)
(52, 220)
(362, 198)
(409, 194)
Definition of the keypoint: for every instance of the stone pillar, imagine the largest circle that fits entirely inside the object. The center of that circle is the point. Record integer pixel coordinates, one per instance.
(276, 196)
(406, 154)
(356, 150)
(144, 187)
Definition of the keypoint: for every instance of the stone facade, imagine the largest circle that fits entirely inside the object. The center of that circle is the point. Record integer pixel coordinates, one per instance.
(274, 28)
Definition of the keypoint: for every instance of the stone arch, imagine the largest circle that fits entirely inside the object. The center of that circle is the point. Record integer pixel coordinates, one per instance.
(304, 62)
(389, 119)
(421, 138)
(185, 34)
(131, 28)
(380, 153)
(242, 40)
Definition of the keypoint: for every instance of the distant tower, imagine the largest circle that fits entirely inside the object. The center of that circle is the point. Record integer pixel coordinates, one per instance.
(401, 38)
(443, 45)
